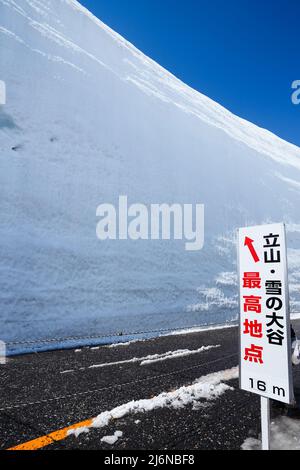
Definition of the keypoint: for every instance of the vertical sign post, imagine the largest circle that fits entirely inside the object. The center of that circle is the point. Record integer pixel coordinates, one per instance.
(265, 422)
(265, 332)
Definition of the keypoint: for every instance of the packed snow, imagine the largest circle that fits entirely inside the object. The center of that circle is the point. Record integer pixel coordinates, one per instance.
(201, 329)
(285, 435)
(88, 118)
(208, 388)
(78, 431)
(111, 440)
(187, 331)
(150, 359)
(127, 343)
(176, 354)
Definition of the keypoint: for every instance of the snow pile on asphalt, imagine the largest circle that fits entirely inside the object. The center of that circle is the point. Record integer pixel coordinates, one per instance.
(186, 331)
(209, 387)
(128, 343)
(156, 357)
(111, 440)
(176, 354)
(78, 431)
(285, 435)
(198, 329)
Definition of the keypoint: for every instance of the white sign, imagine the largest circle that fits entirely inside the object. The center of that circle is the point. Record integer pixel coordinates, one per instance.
(265, 332)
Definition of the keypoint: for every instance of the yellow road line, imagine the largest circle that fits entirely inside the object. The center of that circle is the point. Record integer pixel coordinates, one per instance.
(55, 436)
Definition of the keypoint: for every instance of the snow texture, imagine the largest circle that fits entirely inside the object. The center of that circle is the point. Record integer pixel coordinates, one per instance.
(88, 118)
(150, 359)
(127, 343)
(209, 387)
(78, 431)
(111, 440)
(285, 435)
(175, 354)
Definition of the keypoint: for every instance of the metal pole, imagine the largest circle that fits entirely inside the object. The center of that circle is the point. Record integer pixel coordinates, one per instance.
(265, 423)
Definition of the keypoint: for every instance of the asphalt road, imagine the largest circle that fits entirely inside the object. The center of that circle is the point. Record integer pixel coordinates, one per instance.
(46, 392)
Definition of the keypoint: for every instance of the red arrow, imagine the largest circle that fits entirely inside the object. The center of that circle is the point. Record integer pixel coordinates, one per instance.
(249, 244)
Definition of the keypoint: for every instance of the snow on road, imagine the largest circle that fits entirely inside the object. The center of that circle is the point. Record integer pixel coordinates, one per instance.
(285, 435)
(111, 440)
(176, 354)
(76, 432)
(186, 331)
(209, 388)
(150, 359)
(198, 329)
(127, 343)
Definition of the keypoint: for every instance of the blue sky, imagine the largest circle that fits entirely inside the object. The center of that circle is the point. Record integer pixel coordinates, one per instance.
(244, 54)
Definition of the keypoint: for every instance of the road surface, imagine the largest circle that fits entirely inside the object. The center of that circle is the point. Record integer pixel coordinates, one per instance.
(42, 395)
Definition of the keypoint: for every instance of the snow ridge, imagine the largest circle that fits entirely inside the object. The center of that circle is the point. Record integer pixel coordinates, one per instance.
(209, 387)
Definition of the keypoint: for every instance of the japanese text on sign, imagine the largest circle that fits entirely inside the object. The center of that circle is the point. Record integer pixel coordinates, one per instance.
(265, 365)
